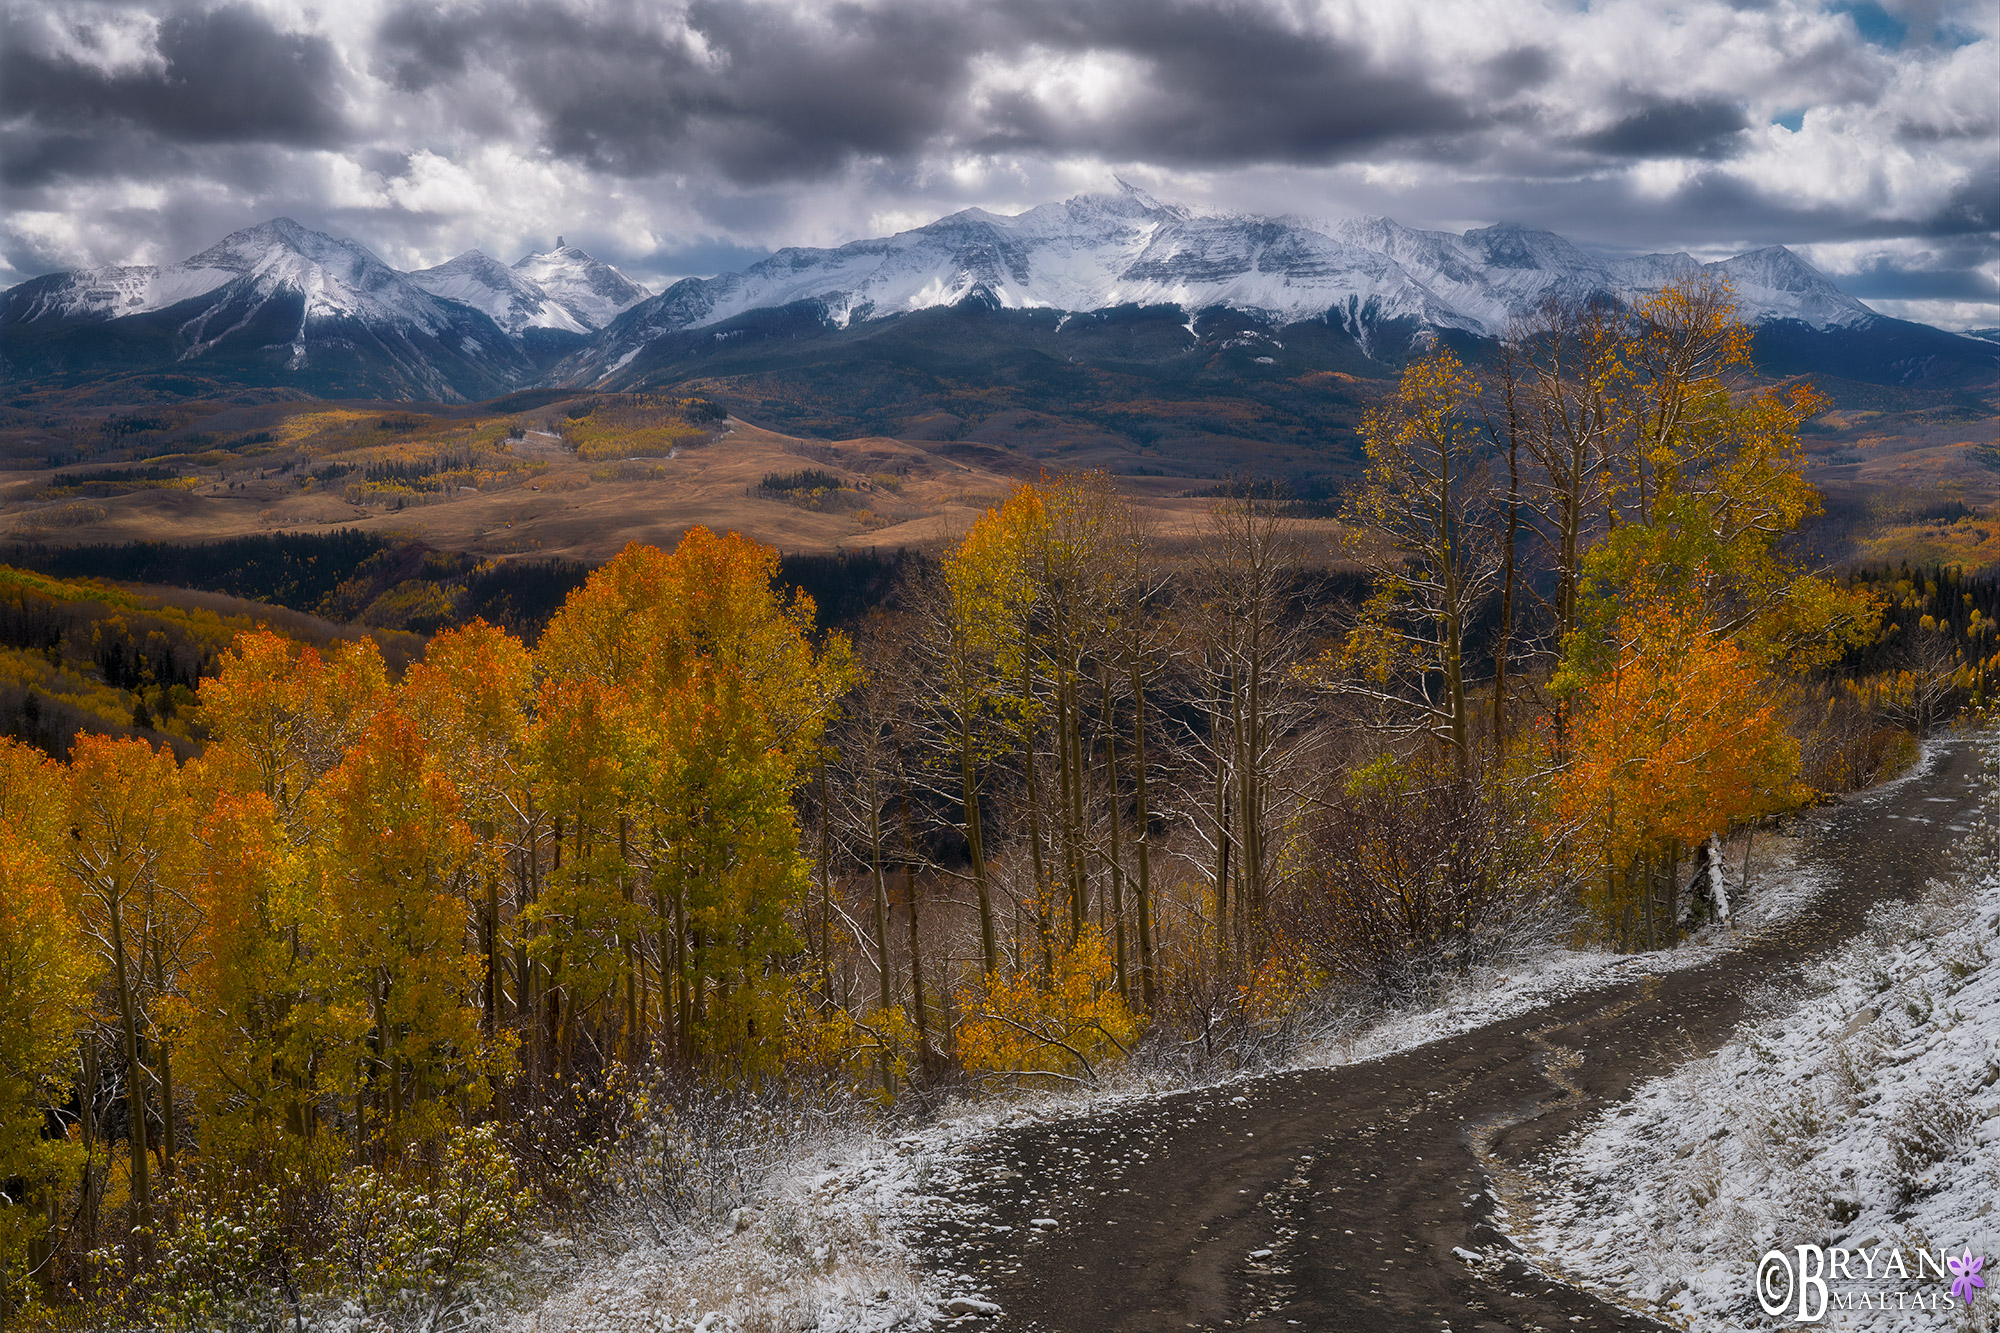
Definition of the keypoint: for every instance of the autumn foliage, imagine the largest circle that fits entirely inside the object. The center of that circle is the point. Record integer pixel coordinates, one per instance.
(318, 1011)
(374, 910)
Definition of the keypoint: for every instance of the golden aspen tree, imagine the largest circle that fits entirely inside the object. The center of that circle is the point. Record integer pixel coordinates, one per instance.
(126, 863)
(576, 930)
(1434, 560)
(974, 645)
(471, 697)
(1688, 614)
(289, 711)
(31, 794)
(391, 864)
(44, 978)
(719, 695)
(250, 1016)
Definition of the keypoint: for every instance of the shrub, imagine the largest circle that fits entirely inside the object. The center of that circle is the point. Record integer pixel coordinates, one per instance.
(416, 1237)
(806, 479)
(1411, 873)
(1064, 1026)
(1927, 1129)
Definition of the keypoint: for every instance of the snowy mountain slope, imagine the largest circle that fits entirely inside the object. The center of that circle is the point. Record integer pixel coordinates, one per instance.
(563, 316)
(276, 302)
(1092, 252)
(589, 290)
(1777, 284)
(509, 300)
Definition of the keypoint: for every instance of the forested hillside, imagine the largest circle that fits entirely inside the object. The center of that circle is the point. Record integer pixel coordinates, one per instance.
(408, 959)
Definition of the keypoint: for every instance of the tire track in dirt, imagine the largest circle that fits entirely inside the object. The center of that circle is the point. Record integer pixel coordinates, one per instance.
(1363, 1197)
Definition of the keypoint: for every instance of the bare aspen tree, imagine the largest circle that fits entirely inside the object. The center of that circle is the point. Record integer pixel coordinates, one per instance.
(1506, 432)
(1561, 378)
(1246, 642)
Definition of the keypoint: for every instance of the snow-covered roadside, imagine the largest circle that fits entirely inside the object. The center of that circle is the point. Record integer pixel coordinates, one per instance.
(1861, 1116)
(816, 1252)
(830, 1242)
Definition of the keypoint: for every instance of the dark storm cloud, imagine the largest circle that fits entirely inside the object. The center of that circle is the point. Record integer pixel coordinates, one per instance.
(691, 135)
(1974, 207)
(1517, 69)
(1702, 129)
(772, 94)
(1222, 85)
(1714, 206)
(224, 75)
(1900, 283)
(35, 157)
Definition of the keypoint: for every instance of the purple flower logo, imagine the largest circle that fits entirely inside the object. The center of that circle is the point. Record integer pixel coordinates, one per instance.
(1965, 1276)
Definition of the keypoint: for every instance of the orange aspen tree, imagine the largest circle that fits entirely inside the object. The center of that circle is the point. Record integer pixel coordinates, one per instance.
(1682, 736)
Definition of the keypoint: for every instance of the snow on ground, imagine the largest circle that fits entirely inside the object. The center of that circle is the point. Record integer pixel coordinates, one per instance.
(812, 1251)
(829, 1244)
(1862, 1115)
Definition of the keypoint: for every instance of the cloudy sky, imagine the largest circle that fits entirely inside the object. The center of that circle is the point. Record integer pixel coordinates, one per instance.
(684, 138)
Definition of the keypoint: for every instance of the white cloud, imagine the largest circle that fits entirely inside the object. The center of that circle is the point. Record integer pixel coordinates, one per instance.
(495, 134)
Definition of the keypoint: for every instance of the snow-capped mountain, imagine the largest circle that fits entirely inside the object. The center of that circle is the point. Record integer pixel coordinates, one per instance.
(278, 300)
(1777, 284)
(336, 277)
(563, 290)
(281, 304)
(1127, 248)
(509, 300)
(593, 292)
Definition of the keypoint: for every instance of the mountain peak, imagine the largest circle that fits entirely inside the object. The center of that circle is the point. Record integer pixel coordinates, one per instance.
(1135, 194)
(469, 261)
(513, 302)
(562, 250)
(590, 290)
(1778, 284)
(286, 251)
(1126, 202)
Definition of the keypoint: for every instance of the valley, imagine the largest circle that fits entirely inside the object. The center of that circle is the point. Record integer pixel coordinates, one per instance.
(251, 388)
(514, 487)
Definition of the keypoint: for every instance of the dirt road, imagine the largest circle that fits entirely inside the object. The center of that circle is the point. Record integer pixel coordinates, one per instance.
(1350, 1198)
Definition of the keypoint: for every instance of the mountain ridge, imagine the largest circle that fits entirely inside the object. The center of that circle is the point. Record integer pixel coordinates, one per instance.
(473, 325)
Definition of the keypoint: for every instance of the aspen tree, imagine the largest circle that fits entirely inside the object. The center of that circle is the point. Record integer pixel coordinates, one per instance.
(1428, 501)
(124, 853)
